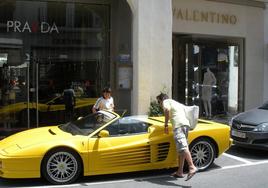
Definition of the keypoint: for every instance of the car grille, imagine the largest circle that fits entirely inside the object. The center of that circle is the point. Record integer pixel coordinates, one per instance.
(242, 127)
(239, 139)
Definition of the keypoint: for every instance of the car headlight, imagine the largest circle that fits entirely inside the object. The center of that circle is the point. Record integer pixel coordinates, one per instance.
(261, 127)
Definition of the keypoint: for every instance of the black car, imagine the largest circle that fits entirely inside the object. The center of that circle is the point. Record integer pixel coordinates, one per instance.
(250, 128)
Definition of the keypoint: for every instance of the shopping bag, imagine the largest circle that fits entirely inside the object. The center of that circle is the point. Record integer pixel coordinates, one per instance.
(192, 114)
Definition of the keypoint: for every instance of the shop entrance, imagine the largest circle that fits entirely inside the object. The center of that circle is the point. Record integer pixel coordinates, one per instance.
(208, 73)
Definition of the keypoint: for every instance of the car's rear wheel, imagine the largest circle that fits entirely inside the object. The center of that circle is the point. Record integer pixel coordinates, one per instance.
(203, 153)
(61, 166)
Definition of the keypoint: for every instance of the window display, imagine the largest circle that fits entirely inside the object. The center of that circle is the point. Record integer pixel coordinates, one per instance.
(208, 73)
(219, 96)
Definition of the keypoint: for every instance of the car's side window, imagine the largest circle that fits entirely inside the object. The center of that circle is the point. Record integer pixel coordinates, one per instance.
(140, 127)
(122, 128)
(113, 128)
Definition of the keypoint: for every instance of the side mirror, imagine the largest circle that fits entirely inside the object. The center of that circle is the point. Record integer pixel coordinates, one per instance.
(151, 129)
(104, 133)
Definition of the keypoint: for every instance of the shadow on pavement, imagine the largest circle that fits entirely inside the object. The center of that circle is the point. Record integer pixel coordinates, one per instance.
(252, 154)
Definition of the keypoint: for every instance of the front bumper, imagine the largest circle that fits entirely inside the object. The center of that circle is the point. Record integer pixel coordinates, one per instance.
(19, 167)
(250, 139)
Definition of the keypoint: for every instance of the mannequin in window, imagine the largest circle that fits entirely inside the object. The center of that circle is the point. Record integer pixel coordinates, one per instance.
(208, 82)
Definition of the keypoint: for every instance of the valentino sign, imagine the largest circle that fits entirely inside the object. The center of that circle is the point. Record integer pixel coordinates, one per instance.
(34, 27)
(204, 16)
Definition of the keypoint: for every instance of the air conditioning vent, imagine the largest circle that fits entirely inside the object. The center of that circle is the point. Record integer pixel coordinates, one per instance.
(127, 157)
(162, 149)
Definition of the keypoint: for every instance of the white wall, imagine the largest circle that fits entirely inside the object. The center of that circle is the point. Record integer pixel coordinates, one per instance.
(249, 25)
(152, 51)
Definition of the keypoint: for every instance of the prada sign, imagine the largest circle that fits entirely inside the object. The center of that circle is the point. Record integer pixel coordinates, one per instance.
(204, 16)
(22, 27)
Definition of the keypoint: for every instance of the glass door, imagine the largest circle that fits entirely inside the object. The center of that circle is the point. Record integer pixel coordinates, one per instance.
(14, 87)
(185, 70)
(19, 91)
(208, 74)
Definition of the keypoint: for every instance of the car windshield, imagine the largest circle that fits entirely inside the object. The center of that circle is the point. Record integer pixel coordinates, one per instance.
(264, 106)
(88, 124)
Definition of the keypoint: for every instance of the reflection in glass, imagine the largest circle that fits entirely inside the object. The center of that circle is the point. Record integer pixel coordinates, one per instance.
(66, 44)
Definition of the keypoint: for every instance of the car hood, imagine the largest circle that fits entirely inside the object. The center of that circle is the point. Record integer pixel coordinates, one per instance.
(31, 137)
(253, 117)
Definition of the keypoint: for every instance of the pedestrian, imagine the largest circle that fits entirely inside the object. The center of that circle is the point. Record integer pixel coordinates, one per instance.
(175, 112)
(69, 102)
(105, 102)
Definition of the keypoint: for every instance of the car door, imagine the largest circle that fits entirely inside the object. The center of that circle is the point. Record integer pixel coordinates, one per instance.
(125, 149)
(133, 145)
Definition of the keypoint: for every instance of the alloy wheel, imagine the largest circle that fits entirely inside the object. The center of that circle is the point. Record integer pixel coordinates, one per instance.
(62, 167)
(203, 153)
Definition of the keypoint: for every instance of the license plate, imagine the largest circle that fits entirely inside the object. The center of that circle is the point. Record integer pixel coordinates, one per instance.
(238, 134)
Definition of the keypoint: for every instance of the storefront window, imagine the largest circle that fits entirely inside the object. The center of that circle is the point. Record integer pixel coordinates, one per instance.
(208, 74)
(212, 85)
(46, 48)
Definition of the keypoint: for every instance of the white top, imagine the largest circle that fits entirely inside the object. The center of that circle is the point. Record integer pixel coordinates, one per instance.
(104, 104)
(177, 113)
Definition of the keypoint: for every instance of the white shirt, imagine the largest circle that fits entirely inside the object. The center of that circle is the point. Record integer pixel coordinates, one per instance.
(177, 113)
(104, 104)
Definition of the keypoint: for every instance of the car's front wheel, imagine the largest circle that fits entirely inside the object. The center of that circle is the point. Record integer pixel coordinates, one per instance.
(61, 166)
(203, 153)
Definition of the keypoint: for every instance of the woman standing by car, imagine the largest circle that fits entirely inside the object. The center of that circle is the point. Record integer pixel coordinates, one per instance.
(106, 102)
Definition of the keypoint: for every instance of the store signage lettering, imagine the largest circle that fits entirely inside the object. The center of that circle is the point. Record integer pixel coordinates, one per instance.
(204, 16)
(22, 27)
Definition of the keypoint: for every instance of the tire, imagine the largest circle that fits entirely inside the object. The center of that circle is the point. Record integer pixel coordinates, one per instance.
(203, 153)
(61, 166)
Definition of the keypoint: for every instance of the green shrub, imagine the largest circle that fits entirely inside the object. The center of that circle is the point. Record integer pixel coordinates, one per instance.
(155, 109)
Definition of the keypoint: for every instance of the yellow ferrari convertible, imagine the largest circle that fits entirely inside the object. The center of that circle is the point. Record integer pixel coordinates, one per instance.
(50, 110)
(105, 143)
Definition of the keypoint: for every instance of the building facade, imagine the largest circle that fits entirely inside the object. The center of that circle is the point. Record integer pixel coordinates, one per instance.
(225, 36)
(137, 47)
(228, 39)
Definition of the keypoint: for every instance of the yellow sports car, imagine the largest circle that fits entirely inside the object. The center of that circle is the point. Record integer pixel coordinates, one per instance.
(55, 104)
(105, 143)
(48, 110)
